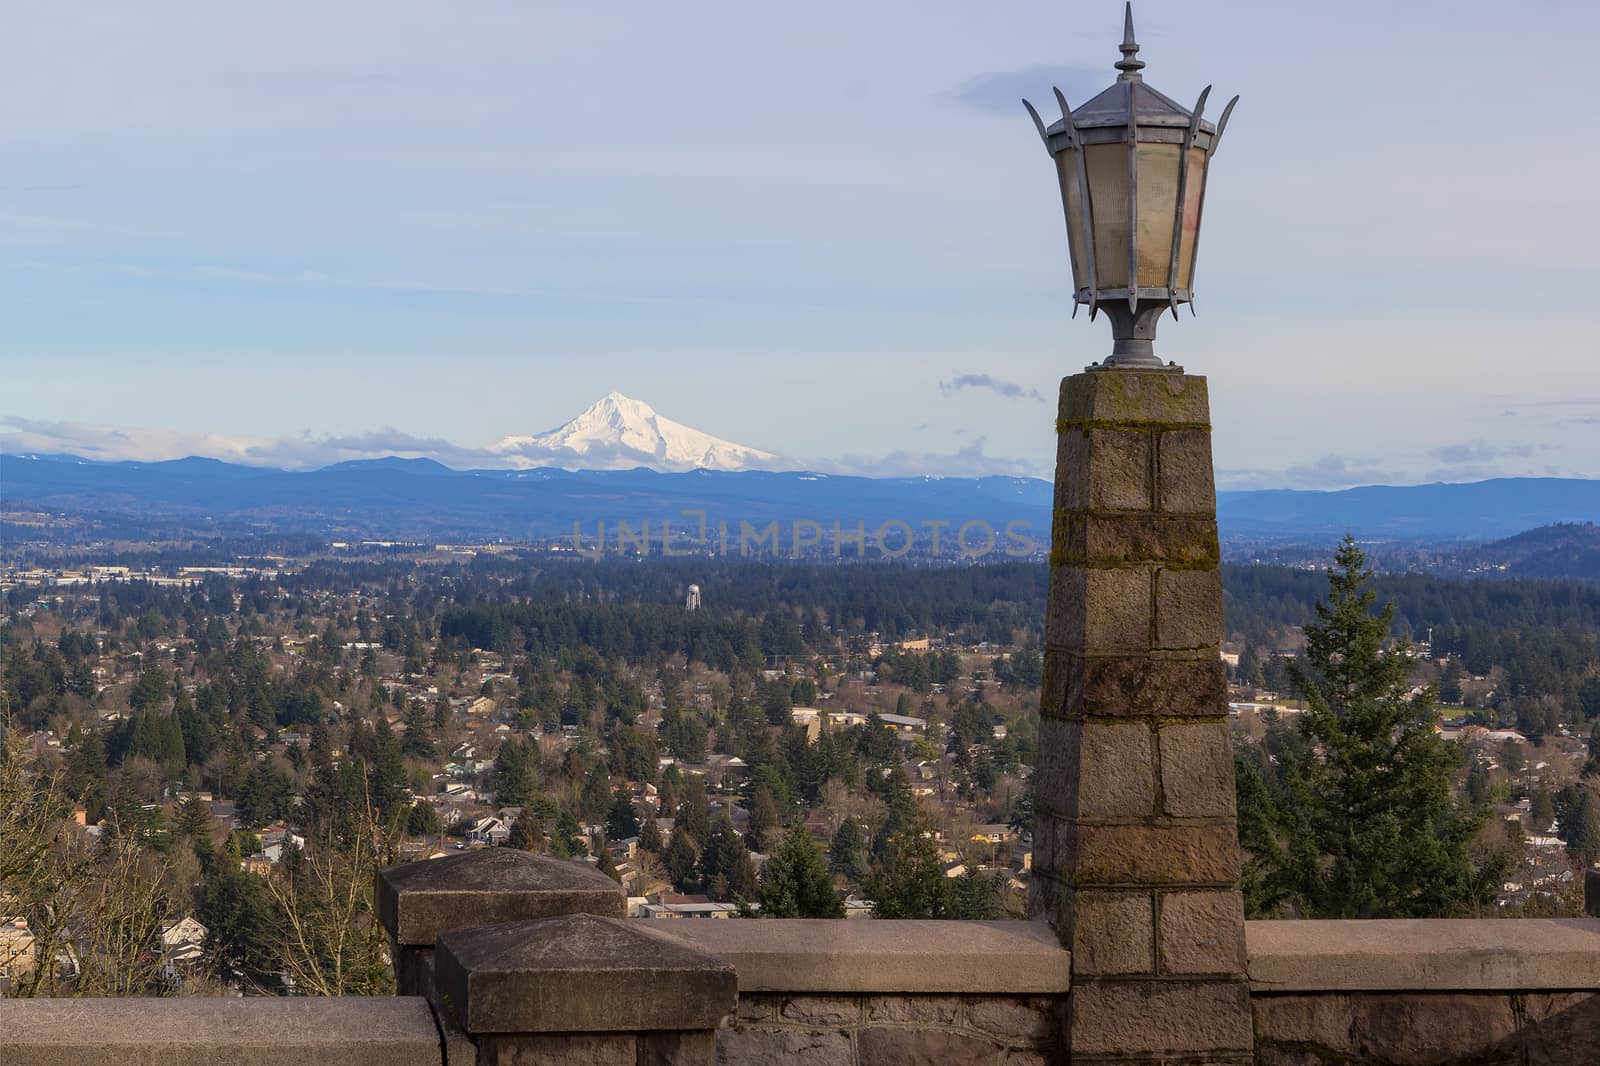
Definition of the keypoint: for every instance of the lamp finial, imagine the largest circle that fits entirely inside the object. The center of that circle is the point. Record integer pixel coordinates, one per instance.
(1129, 64)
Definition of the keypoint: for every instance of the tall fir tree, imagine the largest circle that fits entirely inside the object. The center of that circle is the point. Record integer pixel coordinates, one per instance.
(795, 882)
(1357, 820)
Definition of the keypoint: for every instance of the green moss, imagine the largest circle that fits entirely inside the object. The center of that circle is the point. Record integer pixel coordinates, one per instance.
(1146, 425)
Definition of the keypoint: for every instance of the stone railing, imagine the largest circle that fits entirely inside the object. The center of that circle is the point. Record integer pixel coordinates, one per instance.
(504, 957)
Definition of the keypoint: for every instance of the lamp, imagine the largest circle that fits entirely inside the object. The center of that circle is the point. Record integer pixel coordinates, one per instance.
(1132, 165)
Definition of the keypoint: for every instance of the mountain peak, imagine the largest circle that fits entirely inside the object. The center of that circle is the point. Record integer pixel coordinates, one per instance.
(617, 432)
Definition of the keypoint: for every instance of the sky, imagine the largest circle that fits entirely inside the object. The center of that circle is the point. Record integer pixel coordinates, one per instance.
(305, 232)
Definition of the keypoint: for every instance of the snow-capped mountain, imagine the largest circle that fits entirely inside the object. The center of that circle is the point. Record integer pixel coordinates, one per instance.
(618, 433)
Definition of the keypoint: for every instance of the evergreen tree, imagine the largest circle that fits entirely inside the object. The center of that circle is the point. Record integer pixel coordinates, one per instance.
(1580, 827)
(621, 822)
(1359, 820)
(694, 813)
(974, 897)
(527, 833)
(1542, 810)
(911, 882)
(847, 851)
(650, 836)
(725, 867)
(241, 923)
(795, 883)
(763, 819)
(679, 858)
(418, 742)
(608, 865)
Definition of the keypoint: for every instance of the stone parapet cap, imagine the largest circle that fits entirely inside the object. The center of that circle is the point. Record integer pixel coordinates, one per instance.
(1424, 955)
(803, 955)
(417, 901)
(256, 1031)
(579, 973)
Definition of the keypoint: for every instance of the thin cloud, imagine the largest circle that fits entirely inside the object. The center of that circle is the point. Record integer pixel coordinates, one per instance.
(1327, 473)
(1482, 451)
(985, 381)
(968, 461)
(1002, 92)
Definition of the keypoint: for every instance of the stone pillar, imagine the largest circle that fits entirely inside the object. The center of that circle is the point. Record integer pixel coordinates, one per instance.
(1136, 857)
(584, 989)
(419, 901)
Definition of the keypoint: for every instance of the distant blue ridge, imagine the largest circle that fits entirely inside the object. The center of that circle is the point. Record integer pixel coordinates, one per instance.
(421, 496)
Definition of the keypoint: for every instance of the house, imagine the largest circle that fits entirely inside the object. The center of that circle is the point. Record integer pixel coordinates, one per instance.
(17, 955)
(488, 830)
(676, 905)
(183, 944)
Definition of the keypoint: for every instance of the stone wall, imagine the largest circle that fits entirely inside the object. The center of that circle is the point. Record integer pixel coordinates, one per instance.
(891, 1030)
(1543, 1028)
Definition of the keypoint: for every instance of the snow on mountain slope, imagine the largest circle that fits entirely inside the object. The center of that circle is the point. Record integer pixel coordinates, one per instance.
(618, 433)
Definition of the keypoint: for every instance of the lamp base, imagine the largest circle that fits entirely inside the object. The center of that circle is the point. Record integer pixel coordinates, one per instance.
(1133, 338)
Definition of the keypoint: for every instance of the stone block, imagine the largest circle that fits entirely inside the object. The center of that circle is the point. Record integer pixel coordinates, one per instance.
(1185, 481)
(1119, 470)
(579, 973)
(1188, 608)
(211, 1031)
(1197, 775)
(1561, 1028)
(679, 1048)
(1424, 954)
(1116, 610)
(1321, 1020)
(1419, 1029)
(1072, 469)
(413, 970)
(1046, 825)
(742, 1046)
(1066, 607)
(1033, 1021)
(1092, 769)
(1149, 855)
(908, 1047)
(753, 1007)
(1146, 1018)
(417, 901)
(1059, 668)
(822, 1012)
(559, 1049)
(1050, 900)
(1112, 933)
(1027, 1056)
(826, 958)
(1202, 932)
(1099, 610)
(1116, 773)
(913, 1010)
(1100, 540)
(1164, 396)
(1120, 686)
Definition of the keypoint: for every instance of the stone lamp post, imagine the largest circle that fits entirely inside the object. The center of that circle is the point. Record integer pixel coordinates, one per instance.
(1136, 857)
(1132, 165)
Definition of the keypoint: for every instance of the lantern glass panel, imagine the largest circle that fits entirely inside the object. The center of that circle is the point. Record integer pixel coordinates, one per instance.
(1192, 191)
(1107, 167)
(1158, 211)
(1077, 232)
